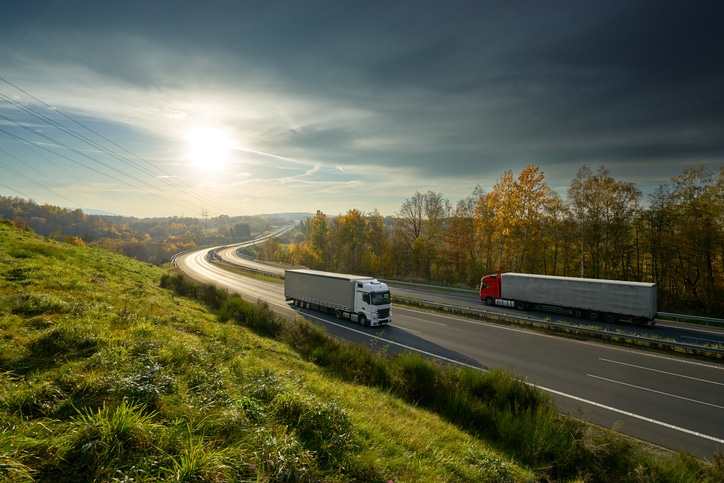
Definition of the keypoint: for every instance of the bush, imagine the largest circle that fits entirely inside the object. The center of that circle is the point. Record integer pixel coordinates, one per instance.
(257, 317)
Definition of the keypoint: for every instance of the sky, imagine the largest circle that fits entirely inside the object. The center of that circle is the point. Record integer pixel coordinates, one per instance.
(167, 108)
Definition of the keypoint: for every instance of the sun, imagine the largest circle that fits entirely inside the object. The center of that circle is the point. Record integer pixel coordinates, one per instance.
(209, 147)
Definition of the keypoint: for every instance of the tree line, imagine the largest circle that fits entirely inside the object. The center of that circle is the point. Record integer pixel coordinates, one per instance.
(153, 240)
(603, 229)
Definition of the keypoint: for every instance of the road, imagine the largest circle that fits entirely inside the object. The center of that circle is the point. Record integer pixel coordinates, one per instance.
(669, 401)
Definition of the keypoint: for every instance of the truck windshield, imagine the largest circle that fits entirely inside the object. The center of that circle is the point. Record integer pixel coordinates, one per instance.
(380, 298)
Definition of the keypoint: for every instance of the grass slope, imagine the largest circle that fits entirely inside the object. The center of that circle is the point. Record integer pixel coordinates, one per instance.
(104, 376)
(107, 376)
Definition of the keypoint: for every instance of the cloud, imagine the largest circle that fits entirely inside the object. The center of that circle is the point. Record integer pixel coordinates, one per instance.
(384, 99)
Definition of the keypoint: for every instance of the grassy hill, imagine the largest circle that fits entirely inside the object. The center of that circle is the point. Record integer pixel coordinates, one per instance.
(105, 375)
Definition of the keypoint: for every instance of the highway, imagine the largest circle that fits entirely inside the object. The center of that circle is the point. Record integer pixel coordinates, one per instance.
(669, 401)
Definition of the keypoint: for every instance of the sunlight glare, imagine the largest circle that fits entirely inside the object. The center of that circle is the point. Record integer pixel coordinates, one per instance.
(209, 147)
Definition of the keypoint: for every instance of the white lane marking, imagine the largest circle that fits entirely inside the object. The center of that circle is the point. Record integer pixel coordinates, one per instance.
(661, 372)
(552, 391)
(655, 391)
(637, 416)
(399, 309)
(392, 342)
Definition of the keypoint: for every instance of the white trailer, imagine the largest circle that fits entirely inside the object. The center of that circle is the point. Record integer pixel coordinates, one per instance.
(610, 300)
(359, 298)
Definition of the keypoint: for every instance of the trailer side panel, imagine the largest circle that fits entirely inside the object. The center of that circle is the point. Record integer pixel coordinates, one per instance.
(322, 288)
(626, 298)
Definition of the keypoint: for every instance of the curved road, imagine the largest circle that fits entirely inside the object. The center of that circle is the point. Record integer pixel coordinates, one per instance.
(673, 402)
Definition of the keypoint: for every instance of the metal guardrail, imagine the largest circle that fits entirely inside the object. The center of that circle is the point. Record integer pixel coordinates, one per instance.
(702, 349)
(692, 318)
(213, 257)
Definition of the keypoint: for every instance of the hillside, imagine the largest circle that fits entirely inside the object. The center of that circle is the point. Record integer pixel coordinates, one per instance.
(107, 376)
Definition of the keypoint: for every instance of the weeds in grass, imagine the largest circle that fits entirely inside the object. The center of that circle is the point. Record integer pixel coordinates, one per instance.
(197, 462)
(101, 440)
(283, 458)
(146, 382)
(322, 427)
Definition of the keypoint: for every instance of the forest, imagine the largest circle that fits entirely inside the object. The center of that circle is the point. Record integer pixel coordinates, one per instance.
(604, 229)
(153, 240)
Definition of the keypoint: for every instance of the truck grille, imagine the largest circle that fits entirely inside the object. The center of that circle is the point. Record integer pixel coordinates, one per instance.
(383, 313)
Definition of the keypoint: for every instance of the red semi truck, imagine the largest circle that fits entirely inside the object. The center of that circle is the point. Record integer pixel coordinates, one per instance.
(608, 300)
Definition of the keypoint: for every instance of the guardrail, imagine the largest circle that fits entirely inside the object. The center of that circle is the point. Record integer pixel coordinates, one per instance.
(214, 257)
(707, 350)
(692, 318)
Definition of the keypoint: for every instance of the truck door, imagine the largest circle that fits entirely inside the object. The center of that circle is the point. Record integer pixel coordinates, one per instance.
(490, 289)
(362, 306)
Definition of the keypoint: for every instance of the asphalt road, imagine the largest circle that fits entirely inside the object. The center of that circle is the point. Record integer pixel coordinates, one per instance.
(670, 401)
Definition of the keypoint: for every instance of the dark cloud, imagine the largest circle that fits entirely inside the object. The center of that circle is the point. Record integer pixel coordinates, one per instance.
(466, 88)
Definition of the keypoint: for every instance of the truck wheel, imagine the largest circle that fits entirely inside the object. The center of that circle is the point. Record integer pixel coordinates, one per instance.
(489, 301)
(578, 313)
(520, 305)
(362, 320)
(593, 315)
(610, 318)
(338, 313)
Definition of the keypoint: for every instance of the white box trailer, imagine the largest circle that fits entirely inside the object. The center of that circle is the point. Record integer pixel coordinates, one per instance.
(358, 298)
(610, 300)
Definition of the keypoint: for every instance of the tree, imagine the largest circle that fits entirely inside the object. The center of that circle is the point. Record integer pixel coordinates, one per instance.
(460, 255)
(418, 230)
(377, 257)
(349, 233)
(319, 242)
(698, 207)
(518, 207)
(485, 229)
(604, 210)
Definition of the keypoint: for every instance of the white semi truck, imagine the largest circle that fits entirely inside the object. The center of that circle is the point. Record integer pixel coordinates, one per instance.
(364, 300)
(608, 300)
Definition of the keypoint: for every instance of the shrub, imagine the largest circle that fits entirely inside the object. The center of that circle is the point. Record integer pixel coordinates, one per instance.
(417, 378)
(257, 317)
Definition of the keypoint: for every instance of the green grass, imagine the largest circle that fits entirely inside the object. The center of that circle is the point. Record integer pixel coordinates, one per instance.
(107, 373)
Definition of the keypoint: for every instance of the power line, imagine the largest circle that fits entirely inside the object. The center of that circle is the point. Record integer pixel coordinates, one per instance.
(150, 169)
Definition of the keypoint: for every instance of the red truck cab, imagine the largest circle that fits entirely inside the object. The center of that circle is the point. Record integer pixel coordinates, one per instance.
(490, 288)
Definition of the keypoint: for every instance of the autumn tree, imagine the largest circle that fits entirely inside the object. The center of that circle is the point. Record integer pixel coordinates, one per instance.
(349, 235)
(418, 230)
(518, 206)
(558, 235)
(319, 239)
(377, 257)
(460, 256)
(604, 211)
(485, 229)
(686, 238)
